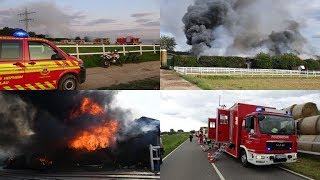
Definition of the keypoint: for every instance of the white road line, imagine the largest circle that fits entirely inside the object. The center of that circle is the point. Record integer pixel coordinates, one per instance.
(218, 172)
(174, 150)
(295, 173)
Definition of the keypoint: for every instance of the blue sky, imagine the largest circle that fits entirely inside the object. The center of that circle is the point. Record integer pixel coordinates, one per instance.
(83, 17)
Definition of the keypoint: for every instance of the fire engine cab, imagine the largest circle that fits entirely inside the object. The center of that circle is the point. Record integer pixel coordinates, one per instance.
(257, 135)
(37, 64)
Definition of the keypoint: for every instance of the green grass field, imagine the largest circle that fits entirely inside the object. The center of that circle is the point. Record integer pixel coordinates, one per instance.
(307, 165)
(146, 84)
(254, 83)
(170, 142)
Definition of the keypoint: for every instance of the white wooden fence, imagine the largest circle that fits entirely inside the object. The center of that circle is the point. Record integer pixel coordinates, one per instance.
(121, 49)
(215, 71)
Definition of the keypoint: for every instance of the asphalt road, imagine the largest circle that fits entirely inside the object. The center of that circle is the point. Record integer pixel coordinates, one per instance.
(189, 162)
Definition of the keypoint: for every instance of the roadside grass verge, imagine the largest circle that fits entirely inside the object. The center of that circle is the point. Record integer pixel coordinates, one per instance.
(146, 84)
(307, 165)
(253, 83)
(171, 142)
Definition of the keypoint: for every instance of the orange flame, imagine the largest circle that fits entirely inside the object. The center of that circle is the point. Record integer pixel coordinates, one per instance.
(87, 106)
(96, 137)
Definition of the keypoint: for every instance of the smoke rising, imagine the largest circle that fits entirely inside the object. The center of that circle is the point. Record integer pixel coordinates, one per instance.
(244, 27)
(39, 122)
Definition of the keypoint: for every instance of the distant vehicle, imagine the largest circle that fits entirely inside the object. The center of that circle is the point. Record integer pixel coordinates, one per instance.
(105, 41)
(37, 64)
(129, 40)
(257, 135)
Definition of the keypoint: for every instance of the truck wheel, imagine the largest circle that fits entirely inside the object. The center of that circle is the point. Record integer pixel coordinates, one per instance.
(68, 82)
(243, 158)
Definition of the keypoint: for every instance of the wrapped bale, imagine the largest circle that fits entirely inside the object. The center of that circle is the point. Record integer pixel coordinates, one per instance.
(290, 109)
(304, 110)
(316, 147)
(310, 125)
(304, 142)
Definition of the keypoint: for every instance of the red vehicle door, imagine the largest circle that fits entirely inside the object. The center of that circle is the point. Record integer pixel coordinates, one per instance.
(222, 132)
(11, 65)
(44, 66)
(212, 128)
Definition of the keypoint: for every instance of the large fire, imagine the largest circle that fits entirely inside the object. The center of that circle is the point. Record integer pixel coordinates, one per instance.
(88, 106)
(96, 136)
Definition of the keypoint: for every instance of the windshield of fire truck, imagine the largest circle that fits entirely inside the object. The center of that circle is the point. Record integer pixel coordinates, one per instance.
(269, 124)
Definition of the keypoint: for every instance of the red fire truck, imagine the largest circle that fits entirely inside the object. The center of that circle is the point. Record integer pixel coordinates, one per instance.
(129, 40)
(257, 135)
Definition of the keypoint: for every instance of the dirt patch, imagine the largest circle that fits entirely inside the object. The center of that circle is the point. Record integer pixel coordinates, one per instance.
(114, 75)
(169, 80)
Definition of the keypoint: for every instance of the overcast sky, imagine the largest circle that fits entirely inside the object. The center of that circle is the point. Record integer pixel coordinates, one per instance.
(306, 11)
(189, 110)
(96, 18)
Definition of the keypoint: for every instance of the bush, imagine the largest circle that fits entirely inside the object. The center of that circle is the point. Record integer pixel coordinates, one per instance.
(262, 61)
(185, 61)
(286, 61)
(220, 61)
(312, 65)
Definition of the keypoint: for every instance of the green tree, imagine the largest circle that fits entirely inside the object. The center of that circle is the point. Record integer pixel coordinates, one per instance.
(77, 38)
(180, 131)
(263, 61)
(168, 43)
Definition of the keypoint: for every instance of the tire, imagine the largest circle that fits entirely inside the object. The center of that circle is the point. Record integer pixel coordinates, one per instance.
(243, 158)
(106, 63)
(68, 82)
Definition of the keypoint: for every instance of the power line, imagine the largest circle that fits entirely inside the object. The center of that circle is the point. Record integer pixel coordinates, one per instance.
(26, 18)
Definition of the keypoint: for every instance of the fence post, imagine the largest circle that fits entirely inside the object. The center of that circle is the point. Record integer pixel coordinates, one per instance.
(77, 49)
(124, 49)
(103, 49)
(141, 49)
(154, 49)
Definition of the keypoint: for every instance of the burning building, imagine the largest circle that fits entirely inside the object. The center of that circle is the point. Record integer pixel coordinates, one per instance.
(43, 130)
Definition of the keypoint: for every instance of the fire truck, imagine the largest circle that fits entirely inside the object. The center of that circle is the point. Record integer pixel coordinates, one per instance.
(37, 64)
(129, 40)
(257, 135)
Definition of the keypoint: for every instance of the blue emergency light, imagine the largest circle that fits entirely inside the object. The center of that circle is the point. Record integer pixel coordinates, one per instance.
(269, 149)
(21, 34)
(259, 109)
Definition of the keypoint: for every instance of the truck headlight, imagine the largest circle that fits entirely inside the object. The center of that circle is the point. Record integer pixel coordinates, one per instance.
(260, 157)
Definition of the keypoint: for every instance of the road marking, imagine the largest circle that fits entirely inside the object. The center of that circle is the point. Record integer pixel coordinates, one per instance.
(218, 172)
(295, 173)
(174, 149)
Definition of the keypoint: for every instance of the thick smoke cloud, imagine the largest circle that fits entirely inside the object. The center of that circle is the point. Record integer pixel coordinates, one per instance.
(244, 27)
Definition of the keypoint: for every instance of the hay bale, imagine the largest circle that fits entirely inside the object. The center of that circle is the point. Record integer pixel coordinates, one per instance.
(310, 125)
(304, 110)
(306, 146)
(316, 147)
(290, 109)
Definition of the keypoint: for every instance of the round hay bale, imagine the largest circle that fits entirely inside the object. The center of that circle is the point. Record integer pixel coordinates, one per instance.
(290, 109)
(310, 125)
(316, 147)
(304, 110)
(306, 146)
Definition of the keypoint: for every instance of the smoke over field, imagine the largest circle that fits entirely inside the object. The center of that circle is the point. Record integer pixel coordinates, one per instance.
(245, 27)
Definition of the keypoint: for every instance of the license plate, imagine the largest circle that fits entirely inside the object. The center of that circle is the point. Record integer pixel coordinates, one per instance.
(280, 156)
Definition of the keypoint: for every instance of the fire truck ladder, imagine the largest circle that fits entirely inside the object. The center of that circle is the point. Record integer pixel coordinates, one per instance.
(219, 151)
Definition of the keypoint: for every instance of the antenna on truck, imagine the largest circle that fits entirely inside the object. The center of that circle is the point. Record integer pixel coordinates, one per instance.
(222, 106)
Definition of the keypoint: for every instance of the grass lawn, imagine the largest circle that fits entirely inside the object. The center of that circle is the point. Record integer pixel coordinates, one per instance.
(253, 83)
(307, 165)
(146, 84)
(170, 142)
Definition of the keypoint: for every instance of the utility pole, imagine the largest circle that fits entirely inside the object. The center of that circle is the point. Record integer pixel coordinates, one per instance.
(26, 18)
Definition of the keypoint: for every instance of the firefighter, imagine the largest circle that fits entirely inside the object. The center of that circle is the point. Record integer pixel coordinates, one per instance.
(191, 137)
(200, 138)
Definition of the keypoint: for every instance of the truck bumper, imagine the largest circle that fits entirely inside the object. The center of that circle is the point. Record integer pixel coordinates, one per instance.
(82, 75)
(269, 159)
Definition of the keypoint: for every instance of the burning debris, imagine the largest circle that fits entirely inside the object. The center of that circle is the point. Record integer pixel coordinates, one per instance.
(72, 129)
(243, 27)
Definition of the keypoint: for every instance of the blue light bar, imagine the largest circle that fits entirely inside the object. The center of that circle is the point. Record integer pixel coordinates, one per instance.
(259, 109)
(269, 149)
(21, 34)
